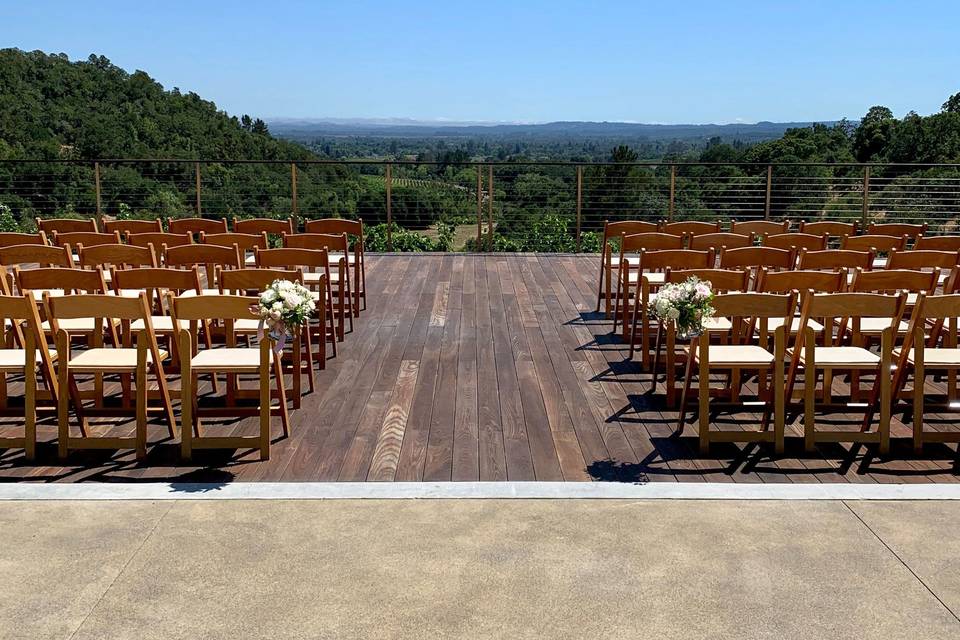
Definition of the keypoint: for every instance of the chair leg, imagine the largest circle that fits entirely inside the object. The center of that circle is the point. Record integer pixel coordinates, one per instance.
(265, 406)
(187, 402)
(809, 393)
(282, 394)
(141, 400)
(918, 380)
(688, 374)
(885, 402)
(703, 393)
(29, 412)
(779, 405)
(308, 340)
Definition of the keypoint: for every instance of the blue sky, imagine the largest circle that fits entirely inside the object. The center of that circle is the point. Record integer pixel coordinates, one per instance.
(536, 61)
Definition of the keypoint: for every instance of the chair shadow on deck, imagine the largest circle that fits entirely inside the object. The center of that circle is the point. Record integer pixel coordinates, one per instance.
(679, 451)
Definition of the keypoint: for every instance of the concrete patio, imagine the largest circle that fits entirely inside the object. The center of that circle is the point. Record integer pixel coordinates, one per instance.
(479, 568)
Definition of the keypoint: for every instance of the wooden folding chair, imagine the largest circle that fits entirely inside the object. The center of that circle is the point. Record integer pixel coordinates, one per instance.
(796, 241)
(66, 225)
(720, 241)
(230, 359)
(46, 282)
(749, 349)
(925, 259)
(612, 232)
(783, 282)
(196, 225)
(252, 282)
(938, 353)
(721, 281)
(689, 228)
(651, 272)
(851, 309)
(759, 228)
(891, 282)
(208, 256)
(123, 227)
(270, 226)
(833, 228)
(10, 238)
(23, 352)
(912, 231)
(43, 255)
(937, 243)
(246, 242)
(339, 277)
(99, 360)
(628, 276)
(315, 265)
(353, 229)
(876, 243)
(115, 257)
(159, 283)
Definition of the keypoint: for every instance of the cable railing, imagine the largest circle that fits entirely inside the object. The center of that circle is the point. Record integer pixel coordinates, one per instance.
(480, 206)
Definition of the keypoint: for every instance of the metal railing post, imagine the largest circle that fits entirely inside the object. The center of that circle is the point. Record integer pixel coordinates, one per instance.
(196, 172)
(389, 183)
(579, 203)
(767, 200)
(865, 214)
(479, 208)
(490, 209)
(294, 209)
(673, 192)
(96, 185)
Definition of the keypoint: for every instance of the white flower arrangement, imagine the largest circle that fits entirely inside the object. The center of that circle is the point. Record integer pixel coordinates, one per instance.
(284, 307)
(686, 304)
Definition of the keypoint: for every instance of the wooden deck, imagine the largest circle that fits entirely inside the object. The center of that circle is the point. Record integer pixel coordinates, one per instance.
(475, 367)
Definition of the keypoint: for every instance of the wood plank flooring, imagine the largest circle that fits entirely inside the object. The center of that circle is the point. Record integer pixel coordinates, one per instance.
(488, 367)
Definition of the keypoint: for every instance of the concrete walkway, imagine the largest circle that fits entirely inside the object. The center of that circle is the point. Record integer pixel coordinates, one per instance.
(479, 569)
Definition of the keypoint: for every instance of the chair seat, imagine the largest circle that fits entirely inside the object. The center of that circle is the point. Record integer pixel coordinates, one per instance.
(236, 359)
(935, 358)
(842, 358)
(334, 256)
(108, 360)
(246, 325)
(13, 360)
(78, 325)
(775, 323)
(876, 326)
(312, 278)
(613, 260)
(653, 277)
(746, 356)
(161, 324)
(718, 324)
(191, 293)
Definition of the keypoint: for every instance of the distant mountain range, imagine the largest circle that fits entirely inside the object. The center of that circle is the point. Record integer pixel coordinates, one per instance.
(307, 129)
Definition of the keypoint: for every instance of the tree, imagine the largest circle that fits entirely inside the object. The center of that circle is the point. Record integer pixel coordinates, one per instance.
(952, 105)
(872, 136)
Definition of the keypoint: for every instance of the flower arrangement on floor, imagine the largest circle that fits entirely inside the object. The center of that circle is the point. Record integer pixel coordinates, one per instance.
(686, 304)
(283, 308)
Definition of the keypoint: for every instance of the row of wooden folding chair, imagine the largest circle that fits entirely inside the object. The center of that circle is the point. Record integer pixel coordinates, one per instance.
(247, 234)
(749, 348)
(133, 359)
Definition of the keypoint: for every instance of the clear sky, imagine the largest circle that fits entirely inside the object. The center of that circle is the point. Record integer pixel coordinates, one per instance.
(529, 61)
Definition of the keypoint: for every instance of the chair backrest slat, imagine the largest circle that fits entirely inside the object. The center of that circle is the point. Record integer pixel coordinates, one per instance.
(938, 243)
(796, 241)
(10, 238)
(270, 226)
(720, 240)
(759, 227)
(757, 257)
(66, 225)
(196, 225)
(123, 227)
(835, 259)
(874, 242)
